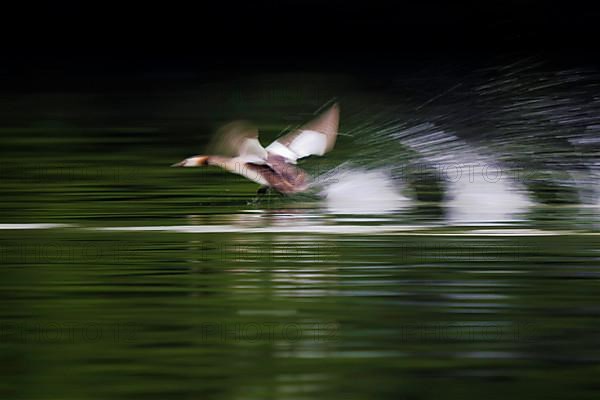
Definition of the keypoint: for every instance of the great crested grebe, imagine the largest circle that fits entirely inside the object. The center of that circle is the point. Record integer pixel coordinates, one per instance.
(273, 166)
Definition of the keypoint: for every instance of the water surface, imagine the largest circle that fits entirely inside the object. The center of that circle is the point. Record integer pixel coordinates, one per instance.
(123, 278)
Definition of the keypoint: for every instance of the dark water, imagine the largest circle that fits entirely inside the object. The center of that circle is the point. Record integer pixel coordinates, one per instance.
(123, 278)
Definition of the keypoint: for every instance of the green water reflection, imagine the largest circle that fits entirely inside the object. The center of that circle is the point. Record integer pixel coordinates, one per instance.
(90, 314)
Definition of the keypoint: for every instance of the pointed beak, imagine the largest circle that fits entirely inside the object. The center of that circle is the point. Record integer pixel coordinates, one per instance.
(196, 161)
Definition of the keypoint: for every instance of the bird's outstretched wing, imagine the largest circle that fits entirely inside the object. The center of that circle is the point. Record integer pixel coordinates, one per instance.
(313, 138)
(239, 139)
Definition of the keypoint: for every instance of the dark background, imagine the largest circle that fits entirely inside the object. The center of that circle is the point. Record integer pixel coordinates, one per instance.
(62, 46)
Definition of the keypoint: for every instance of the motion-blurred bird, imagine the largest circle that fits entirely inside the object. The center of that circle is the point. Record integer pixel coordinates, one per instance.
(274, 166)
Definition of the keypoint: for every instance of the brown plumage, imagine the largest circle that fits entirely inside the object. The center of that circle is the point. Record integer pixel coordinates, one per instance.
(273, 166)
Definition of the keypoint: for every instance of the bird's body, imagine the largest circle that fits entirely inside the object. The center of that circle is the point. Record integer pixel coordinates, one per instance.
(274, 166)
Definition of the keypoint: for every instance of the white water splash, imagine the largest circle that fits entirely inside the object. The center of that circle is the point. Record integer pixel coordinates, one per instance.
(357, 191)
(478, 190)
(484, 195)
(588, 182)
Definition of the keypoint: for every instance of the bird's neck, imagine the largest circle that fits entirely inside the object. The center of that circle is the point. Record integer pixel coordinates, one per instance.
(227, 163)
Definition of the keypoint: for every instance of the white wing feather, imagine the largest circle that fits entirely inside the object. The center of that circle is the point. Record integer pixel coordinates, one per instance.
(305, 144)
(314, 138)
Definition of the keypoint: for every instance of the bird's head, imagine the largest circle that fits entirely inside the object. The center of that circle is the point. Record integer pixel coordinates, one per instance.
(196, 161)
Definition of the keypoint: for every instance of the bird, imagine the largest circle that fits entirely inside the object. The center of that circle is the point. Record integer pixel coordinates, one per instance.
(273, 167)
